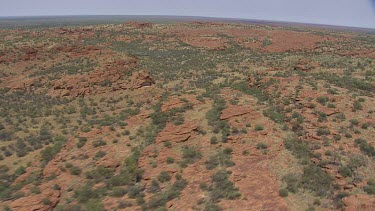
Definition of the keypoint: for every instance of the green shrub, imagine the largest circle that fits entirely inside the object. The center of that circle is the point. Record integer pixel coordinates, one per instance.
(99, 143)
(322, 131)
(299, 148)
(357, 105)
(365, 147)
(118, 192)
(170, 160)
(259, 127)
(261, 146)
(164, 176)
(222, 188)
(49, 152)
(316, 180)
(322, 100)
(365, 125)
(100, 154)
(46, 201)
(81, 142)
(213, 140)
(345, 171)
(222, 158)
(354, 121)
(370, 188)
(75, 170)
(283, 192)
(190, 155)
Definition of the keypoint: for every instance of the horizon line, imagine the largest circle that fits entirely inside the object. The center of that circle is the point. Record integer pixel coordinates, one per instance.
(188, 16)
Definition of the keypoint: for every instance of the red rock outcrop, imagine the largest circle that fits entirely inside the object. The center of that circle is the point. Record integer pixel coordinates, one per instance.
(237, 110)
(359, 202)
(40, 202)
(99, 82)
(177, 133)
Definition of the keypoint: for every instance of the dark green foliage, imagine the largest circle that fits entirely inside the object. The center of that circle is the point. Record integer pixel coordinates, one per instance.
(75, 170)
(222, 158)
(322, 100)
(100, 154)
(160, 199)
(370, 188)
(357, 105)
(155, 187)
(345, 171)
(48, 153)
(164, 176)
(354, 121)
(259, 127)
(275, 114)
(86, 193)
(222, 188)
(365, 147)
(190, 155)
(81, 142)
(20, 170)
(261, 146)
(213, 140)
(283, 192)
(322, 131)
(99, 143)
(213, 115)
(316, 180)
(170, 160)
(299, 148)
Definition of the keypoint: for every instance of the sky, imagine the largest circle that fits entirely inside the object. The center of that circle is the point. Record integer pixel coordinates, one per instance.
(359, 13)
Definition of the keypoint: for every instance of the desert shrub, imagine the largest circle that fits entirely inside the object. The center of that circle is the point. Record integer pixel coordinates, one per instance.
(190, 155)
(356, 162)
(222, 158)
(98, 143)
(164, 176)
(20, 170)
(75, 170)
(81, 142)
(159, 200)
(370, 188)
(316, 180)
(100, 154)
(259, 127)
(46, 201)
(354, 121)
(134, 191)
(275, 114)
(48, 153)
(322, 100)
(222, 188)
(357, 105)
(292, 181)
(118, 192)
(261, 146)
(99, 174)
(213, 140)
(345, 171)
(170, 160)
(365, 125)
(85, 193)
(299, 148)
(322, 131)
(283, 192)
(155, 187)
(365, 147)
(35, 190)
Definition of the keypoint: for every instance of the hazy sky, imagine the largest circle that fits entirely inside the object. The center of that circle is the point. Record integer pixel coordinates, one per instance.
(359, 13)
